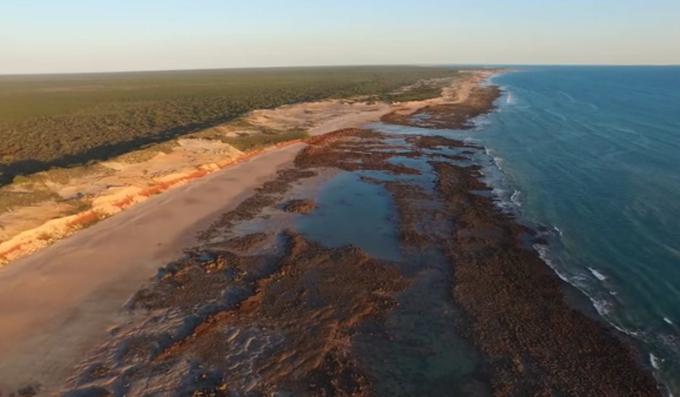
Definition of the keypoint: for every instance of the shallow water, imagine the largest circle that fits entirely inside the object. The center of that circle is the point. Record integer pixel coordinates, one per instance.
(417, 349)
(594, 153)
(352, 212)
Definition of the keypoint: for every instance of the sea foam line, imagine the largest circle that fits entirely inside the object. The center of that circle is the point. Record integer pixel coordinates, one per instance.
(602, 306)
(597, 274)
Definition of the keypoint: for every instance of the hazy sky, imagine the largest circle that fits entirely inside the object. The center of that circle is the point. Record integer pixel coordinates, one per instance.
(100, 35)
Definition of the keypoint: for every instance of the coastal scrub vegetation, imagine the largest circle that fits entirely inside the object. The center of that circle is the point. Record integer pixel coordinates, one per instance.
(421, 90)
(260, 140)
(62, 120)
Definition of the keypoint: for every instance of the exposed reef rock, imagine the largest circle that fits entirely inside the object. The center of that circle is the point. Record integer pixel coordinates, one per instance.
(299, 206)
(273, 313)
(449, 115)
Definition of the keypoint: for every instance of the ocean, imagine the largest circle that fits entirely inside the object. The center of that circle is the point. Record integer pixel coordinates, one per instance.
(591, 155)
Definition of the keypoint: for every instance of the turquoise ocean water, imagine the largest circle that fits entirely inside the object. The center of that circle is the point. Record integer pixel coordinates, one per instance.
(593, 154)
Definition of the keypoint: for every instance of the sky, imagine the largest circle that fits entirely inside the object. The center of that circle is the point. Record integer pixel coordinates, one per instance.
(61, 36)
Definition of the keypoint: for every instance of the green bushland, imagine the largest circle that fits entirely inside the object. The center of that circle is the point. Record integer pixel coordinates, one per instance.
(424, 89)
(147, 152)
(260, 140)
(61, 120)
(11, 199)
(63, 175)
(28, 190)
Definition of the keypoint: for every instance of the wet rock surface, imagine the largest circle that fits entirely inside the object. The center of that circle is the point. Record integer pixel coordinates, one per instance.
(268, 194)
(350, 150)
(534, 343)
(299, 206)
(217, 323)
(449, 115)
(466, 309)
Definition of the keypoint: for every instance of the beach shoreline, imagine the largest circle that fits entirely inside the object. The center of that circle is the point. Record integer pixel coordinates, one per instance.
(57, 304)
(58, 301)
(529, 340)
(107, 188)
(503, 289)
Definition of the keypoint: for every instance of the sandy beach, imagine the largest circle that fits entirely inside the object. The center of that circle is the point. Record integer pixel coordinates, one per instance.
(59, 301)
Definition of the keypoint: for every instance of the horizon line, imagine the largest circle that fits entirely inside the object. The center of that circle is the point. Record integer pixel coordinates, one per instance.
(489, 65)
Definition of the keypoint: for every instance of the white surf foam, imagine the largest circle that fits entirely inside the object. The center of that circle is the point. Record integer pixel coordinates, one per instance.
(509, 100)
(597, 274)
(481, 122)
(602, 306)
(498, 162)
(544, 253)
(515, 198)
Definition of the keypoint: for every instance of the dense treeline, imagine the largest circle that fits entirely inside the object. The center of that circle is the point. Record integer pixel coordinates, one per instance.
(61, 120)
